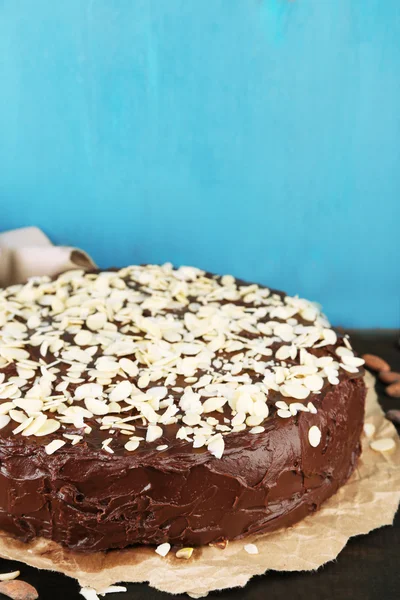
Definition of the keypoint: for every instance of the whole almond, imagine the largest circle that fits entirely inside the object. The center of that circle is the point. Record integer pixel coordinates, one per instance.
(375, 363)
(394, 416)
(393, 390)
(389, 376)
(18, 590)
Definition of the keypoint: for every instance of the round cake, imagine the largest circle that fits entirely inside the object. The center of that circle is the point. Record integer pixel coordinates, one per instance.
(152, 404)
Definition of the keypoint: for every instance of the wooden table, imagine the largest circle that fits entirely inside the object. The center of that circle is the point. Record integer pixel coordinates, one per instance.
(367, 569)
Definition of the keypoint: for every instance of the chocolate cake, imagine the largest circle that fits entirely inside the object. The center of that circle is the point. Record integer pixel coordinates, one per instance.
(153, 404)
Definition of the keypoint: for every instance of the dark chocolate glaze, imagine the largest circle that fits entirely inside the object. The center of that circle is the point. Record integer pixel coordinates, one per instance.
(89, 500)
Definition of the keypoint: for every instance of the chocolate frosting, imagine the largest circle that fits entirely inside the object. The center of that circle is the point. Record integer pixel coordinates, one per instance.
(89, 500)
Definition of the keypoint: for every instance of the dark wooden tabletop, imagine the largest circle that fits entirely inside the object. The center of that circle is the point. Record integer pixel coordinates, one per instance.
(367, 569)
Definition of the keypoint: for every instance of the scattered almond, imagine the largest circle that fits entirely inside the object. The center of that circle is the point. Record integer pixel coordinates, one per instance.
(375, 363)
(394, 416)
(389, 376)
(9, 576)
(251, 549)
(383, 445)
(18, 590)
(393, 390)
(184, 553)
(369, 430)
(163, 549)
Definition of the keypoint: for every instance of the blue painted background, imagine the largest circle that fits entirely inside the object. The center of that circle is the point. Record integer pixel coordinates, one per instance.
(260, 138)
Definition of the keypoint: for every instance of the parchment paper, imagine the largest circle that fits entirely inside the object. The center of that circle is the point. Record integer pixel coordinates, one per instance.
(369, 500)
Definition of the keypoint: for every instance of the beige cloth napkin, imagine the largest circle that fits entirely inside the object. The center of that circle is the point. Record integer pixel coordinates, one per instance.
(27, 252)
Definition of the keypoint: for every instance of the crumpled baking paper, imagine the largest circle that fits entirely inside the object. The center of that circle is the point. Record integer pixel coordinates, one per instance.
(369, 500)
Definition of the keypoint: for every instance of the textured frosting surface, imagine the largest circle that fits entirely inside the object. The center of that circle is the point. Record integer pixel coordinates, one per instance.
(209, 444)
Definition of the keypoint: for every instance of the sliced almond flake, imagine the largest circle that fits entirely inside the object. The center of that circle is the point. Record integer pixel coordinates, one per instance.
(254, 420)
(29, 405)
(369, 430)
(33, 322)
(213, 403)
(38, 422)
(295, 390)
(4, 421)
(106, 446)
(83, 338)
(353, 361)
(329, 336)
(26, 373)
(312, 408)
(162, 447)
(153, 433)
(50, 426)
(132, 445)
(96, 407)
(344, 351)
(383, 445)
(89, 593)
(13, 353)
(185, 553)
(191, 419)
(284, 414)
(75, 439)
(347, 342)
(257, 429)
(9, 576)
(284, 332)
(96, 321)
(282, 405)
(314, 436)
(283, 353)
(112, 589)
(8, 391)
(216, 446)
(349, 368)
(23, 425)
(5, 407)
(107, 366)
(163, 549)
(314, 383)
(124, 426)
(17, 415)
(54, 446)
(238, 419)
(121, 391)
(251, 549)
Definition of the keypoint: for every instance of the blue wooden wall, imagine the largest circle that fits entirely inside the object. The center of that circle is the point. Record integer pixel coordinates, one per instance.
(257, 137)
